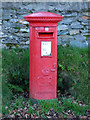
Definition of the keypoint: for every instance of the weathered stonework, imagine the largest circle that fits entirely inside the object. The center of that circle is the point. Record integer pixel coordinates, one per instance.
(74, 26)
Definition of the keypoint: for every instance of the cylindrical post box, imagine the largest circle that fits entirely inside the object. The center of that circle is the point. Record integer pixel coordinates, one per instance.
(43, 54)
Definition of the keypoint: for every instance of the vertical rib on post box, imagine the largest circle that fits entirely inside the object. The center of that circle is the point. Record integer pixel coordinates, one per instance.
(43, 54)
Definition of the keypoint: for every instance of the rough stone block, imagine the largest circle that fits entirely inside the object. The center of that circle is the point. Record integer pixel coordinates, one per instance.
(24, 30)
(85, 23)
(62, 27)
(23, 22)
(13, 20)
(79, 44)
(80, 37)
(0, 28)
(2, 35)
(73, 32)
(25, 35)
(71, 14)
(67, 21)
(63, 32)
(27, 42)
(0, 22)
(76, 25)
(84, 31)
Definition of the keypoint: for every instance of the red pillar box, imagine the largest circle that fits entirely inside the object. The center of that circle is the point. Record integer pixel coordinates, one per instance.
(43, 54)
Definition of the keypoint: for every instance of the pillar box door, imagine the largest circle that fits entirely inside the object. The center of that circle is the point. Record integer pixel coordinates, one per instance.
(43, 54)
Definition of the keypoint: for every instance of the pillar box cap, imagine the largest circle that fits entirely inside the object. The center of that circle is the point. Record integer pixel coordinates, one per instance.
(43, 17)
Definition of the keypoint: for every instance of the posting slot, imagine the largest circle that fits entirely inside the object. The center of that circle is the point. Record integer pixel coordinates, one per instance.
(45, 34)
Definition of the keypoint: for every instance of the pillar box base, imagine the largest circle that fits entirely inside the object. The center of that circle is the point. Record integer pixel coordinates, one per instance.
(34, 101)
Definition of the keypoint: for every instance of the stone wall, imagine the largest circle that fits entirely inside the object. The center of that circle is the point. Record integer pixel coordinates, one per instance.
(73, 29)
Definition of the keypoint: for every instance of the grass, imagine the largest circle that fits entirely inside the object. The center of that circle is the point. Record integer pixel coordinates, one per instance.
(15, 64)
(72, 78)
(0, 81)
(73, 71)
(70, 105)
(62, 105)
(45, 107)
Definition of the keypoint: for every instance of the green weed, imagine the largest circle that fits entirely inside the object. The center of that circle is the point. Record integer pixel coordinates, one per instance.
(15, 64)
(72, 71)
(31, 110)
(15, 88)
